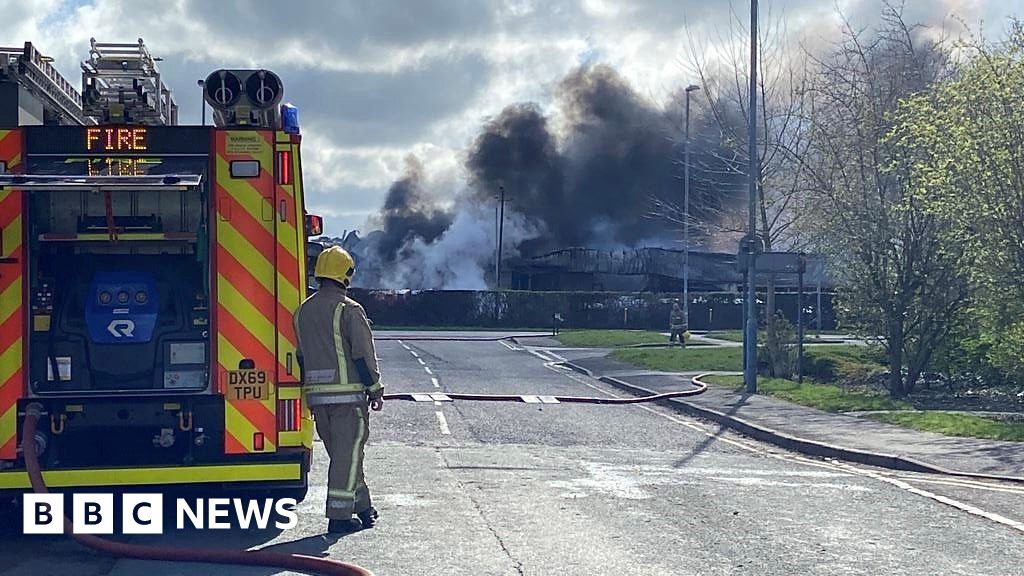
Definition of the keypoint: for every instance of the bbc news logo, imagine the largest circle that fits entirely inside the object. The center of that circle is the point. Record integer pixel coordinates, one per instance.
(144, 513)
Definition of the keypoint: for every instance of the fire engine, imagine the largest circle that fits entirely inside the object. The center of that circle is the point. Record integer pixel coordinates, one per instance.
(148, 276)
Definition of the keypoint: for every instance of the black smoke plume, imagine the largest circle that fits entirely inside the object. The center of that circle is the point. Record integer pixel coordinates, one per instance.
(593, 188)
(584, 176)
(408, 214)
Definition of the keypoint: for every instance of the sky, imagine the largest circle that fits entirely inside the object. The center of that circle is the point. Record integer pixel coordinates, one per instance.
(378, 81)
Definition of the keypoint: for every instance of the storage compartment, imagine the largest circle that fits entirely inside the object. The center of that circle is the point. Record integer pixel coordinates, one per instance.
(119, 287)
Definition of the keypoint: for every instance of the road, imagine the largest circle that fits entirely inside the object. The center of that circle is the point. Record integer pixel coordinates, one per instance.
(535, 489)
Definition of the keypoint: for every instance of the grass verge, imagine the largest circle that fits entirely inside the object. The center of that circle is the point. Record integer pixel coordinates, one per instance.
(609, 338)
(821, 396)
(954, 424)
(683, 360)
(712, 358)
(737, 335)
(835, 399)
(732, 335)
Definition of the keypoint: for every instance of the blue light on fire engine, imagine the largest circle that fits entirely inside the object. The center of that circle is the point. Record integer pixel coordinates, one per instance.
(290, 118)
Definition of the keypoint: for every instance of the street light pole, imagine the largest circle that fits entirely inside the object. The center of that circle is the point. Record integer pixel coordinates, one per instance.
(750, 338)
(686, 211)
(202, 101)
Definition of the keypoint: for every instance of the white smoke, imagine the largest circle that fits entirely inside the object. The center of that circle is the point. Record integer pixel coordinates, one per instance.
(462, 258)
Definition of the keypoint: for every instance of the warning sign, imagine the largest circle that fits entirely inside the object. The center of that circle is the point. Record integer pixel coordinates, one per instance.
(244, 143)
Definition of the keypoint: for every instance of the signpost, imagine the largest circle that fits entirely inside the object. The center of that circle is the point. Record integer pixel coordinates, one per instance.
(777, 263)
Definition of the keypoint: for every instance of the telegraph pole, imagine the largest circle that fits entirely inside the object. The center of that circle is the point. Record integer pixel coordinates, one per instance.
(501, 234)
(750, 339)
(686, 211)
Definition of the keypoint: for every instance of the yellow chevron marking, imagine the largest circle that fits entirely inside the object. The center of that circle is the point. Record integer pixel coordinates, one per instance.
(246, 314)
(247, 255)
(237, 423)
(10, 300)
(12, 237)
(286, 236)
(10, 360)
(9, 423)
(247, 196)
(227, 354)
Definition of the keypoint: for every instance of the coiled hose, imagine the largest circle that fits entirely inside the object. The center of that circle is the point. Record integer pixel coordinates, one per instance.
(298, 562)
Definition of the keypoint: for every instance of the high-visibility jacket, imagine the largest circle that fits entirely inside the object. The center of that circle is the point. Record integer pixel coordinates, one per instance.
(333, 334)
(677, 320)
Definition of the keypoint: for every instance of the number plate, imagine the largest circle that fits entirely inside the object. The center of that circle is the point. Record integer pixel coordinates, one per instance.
(247, 385)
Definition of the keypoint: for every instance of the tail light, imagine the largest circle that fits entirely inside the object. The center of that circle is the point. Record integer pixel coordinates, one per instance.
(284, 167)
(289, 415)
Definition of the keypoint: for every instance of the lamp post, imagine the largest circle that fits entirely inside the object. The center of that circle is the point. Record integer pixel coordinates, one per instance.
(750, 338)
(202, 101)
(686, 210)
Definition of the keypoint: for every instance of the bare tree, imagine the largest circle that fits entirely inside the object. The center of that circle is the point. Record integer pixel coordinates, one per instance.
(721, 166)
(902, 280)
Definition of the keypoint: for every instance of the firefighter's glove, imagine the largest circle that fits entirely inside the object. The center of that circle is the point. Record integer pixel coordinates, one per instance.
(376, 404)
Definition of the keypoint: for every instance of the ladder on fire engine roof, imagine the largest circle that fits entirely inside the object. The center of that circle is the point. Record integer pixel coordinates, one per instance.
(34, 72)
(122, 84)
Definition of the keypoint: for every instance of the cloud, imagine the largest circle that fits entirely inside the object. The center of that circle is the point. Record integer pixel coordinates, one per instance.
(376, 81)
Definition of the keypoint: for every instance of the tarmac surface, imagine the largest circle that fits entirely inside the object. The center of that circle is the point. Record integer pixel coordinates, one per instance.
(474, 488)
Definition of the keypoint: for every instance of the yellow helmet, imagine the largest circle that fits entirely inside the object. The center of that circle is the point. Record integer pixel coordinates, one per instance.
(335, 263)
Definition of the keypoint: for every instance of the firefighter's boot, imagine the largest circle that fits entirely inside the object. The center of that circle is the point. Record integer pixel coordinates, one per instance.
(343, 526)
(369, 517)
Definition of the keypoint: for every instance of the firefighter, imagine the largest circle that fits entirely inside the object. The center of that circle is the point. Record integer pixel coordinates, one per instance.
(340, 380)
(677, 325)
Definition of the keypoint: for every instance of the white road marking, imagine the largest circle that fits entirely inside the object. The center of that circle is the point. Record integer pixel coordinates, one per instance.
(540, 355)
(555, 355)
(427, 368)
(414, 354)
(420, 360)
(628, 481)
(1019, 526)
(962, 483)
(442, 422)
(833, 465)
(435, 382)
(510, 345)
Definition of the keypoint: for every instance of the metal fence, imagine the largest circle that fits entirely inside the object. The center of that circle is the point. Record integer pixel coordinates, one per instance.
(605, 310)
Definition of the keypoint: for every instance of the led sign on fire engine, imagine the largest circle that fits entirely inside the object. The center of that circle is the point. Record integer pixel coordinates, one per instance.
(116, 140)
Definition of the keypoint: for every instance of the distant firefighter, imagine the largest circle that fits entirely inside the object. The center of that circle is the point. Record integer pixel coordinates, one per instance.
(556, 323)
(677, 325)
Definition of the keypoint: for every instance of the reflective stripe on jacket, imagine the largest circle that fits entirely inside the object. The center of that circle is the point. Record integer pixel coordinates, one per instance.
(333, 332)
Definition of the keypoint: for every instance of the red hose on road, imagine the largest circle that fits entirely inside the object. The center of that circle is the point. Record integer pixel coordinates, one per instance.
(299, 562)
(699, 389)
